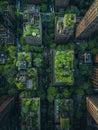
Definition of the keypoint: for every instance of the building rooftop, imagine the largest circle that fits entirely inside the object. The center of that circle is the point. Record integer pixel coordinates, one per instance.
(24, 60)
(64, 27)
(32, 29)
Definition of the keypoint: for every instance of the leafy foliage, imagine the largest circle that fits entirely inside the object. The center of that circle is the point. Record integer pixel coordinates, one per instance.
(51, 93)
(63, 67)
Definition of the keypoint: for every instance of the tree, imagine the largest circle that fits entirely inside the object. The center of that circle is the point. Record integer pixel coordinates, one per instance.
(83, 46)
(52, 92)
(61, 12)
(19, 85)
(80, 92)
(78, 114)
(12, 51)
(10, 72)
(86, 85)
(66, 93)
(37, 62)
(73, 10)
(11, 91)
(44, 7)
(41, 94)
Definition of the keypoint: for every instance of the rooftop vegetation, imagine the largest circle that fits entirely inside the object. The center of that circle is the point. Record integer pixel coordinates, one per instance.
(29, 112)
(69, 20)
(62, 108)
(60, 25)
(63, 66)
(22, 80)
(31, 31)
(24, 58)
(32, 21)
(26, 77)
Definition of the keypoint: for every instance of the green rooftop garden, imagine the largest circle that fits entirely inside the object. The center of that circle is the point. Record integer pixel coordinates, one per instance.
(31, 31)
(60, 25)
(63, 67)
(21, 80)
(69, 20)
(60, 106)
(23, 58)
(29, 112)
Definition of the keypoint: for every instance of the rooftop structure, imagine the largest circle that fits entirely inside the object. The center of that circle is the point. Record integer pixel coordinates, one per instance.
(64, 28)
(61, 4)
(29, 83)
(89, 22)
(3, 58)
(32, 28)
(85, 57)
(62, 109)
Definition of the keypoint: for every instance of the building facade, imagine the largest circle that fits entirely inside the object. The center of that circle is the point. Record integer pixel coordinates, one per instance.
(89, 22)
(92, 107)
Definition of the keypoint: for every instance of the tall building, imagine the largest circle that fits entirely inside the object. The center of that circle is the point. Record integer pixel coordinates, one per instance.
(32, 28)
(61, 4)
(92, 107)
(33, 1)
(89, 22)
(7, 24)
(6, 36)
(64, 28)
